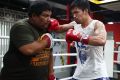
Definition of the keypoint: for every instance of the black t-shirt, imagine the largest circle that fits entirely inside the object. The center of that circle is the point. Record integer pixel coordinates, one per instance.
(18, 66)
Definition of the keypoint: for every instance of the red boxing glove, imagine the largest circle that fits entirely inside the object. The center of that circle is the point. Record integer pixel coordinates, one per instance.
(49, 39)
(72, 35)
(54, 25)
(51, 77)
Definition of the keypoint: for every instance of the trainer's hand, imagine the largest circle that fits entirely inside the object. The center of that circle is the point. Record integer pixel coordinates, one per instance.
(48, 39)
(54, 25)
(51, 77)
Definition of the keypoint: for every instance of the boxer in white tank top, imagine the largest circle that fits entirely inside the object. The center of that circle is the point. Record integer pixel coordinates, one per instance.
(90, 59)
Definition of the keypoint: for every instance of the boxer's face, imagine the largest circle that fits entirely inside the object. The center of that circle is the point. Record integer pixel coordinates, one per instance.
(78, 14)
(43, 19)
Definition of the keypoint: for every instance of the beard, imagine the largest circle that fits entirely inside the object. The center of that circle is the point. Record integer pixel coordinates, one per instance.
(78, 22)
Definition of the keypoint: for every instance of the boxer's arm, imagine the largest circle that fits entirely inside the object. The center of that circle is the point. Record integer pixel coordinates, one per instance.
(65, 27)
(99, 38)
(56, 27)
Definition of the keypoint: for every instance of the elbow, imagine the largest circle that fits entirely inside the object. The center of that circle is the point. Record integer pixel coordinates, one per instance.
(102, 42)
(26, 51)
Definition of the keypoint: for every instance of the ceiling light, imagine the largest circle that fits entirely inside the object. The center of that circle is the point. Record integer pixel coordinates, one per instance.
(101, 1)
(23, 8)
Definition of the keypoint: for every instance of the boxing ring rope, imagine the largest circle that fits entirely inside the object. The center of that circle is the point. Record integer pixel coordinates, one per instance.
(4, 37)
(115, 60)
(59, 40)
(65, 66)
(1, 56)
(65, 54)
(117, 42)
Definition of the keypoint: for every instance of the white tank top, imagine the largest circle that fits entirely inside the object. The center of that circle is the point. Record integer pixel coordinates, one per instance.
(90, 59)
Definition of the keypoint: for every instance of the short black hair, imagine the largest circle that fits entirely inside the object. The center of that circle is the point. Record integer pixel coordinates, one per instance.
(38, 7)
(81, 4)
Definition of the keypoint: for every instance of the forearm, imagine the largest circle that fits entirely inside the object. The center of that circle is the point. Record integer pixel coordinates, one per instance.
(65, 27)
(51, 63)
(96, 41)
(51, 71)
(44, 41)
(99, 38)
(33, 48)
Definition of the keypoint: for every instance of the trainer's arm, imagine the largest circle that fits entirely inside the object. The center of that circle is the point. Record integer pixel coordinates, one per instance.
(44, 41)
(33, 48)
(51, 63)
(99, 38)
(22, 38)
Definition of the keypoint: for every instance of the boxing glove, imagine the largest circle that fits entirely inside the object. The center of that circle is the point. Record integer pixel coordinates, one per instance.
(72, 35)
(49, 40)
(54, 25)
(51, 77)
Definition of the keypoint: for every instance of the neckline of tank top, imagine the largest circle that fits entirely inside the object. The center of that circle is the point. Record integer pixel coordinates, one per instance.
(88, 24)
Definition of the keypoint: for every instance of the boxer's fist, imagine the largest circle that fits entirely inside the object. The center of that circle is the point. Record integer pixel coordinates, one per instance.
(54, 25)
(72, 35)
(48, 39)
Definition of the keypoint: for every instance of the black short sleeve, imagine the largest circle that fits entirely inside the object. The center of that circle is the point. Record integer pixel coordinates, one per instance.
(21, 35)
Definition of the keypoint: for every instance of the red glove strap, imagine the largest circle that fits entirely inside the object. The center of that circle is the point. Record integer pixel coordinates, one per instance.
(85, 39)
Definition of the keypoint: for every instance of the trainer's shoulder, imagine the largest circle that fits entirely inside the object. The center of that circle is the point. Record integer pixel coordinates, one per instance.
(20, 24)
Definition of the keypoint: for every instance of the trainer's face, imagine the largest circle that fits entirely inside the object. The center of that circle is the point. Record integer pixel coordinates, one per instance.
(43, 19)
(78, 15)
